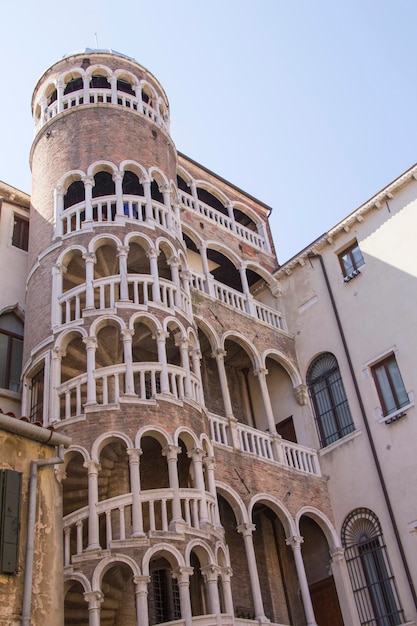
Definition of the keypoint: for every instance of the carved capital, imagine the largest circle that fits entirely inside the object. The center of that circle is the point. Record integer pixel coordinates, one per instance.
(301, 395)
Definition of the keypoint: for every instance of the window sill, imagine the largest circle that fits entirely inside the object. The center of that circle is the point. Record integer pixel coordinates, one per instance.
(397, 415)
(13, 395)
(339, 442)
(351, 276)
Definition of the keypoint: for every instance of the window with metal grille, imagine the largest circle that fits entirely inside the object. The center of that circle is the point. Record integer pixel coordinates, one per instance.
(20, 237)
(166, 596)
(36, 398)
(369, 569)
(331, 408)
(10, 491)
(11, 348)
(389, 385)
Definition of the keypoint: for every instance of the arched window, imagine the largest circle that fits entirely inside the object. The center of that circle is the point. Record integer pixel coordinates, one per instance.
(11, 347)
(328, 396)
(369, 569)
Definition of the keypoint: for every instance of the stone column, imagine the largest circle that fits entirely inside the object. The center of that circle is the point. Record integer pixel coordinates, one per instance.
(88, 185)
(219, 355)
(137, 518)
(194, 194)
(94, 599)
(246, 290)
(261, 374)
(197, 455)
(118, 186)
(124, 289)
(161, 337)
(295, 543)
(171, 453)
(210, 464)
(153, 263)
(175, 276)
(86, 88)
(141, 592)
(166, 194)
(182, 574)
(344, 587)
(127, 334)
(59, 209)
(57, 281)
(93, 468)
(196, 357)
(185, 363)
(59, 95)
(113, 83)
(57, 355)
(229, 207)
(211, 574)
(146, 183)
(209, 278)
(227, 590)
(91, 347)
(246, 530)
(90, 260)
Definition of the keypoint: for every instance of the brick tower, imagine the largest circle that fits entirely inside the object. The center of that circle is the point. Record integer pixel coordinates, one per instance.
(155, 339)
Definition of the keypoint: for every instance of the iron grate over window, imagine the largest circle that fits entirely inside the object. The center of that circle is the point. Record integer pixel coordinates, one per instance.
(370, 571)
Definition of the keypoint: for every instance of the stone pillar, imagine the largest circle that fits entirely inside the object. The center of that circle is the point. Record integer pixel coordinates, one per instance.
(175, 276)
(137, 518)
(229, 207)
(146, 183)
(93, 531)
(161, 337)
(59, 209)
(94, 599)
(166, 194)
(194, 193)
(206, 270)
(261, 374)
(246, 290)
(141, 592)
(185, 363)
(171, 453)
(124, 289)
(57, 355)
(246, 531)
(197, 455)
(91, 347)
(211, 574)
(86, 88)
(182, 574)
(196, 357)
(219, 355)
(90, 260)
(57, 281)
(344, 587)
(127, 334)
(113, 83)
(60, 95)
(118, 186)
(295, 543)
(227, 590)
(153, 263)
(210, 464)
(88, 185)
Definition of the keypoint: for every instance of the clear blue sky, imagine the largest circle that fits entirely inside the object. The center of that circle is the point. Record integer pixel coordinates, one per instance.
(309, 105)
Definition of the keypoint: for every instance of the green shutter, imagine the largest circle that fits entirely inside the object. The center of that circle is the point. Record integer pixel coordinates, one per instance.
(10, 495)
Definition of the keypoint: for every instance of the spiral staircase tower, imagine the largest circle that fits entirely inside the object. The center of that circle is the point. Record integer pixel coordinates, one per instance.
(151, 327)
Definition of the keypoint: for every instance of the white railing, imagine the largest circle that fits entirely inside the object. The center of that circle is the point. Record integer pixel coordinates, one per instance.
(156, 515)
(238, 301)
(100, 96)
(265, 446)
(223, 220)
(104, 211)
(110, 387)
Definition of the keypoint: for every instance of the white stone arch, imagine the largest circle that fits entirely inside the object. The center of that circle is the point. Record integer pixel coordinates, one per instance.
(171, 319)
(324, 524)
(46, 89)
(69, 74)
(222, 554)
(139, 237)
(95, 70)
(162, 242)
(102, 166)
(144, 317)
(70, 177)
(206, 444)
(192, 234)
(14, 308)
(76, 577)
(189, 436)
(278, 508)
(199, 546)
(263, 273)
(215, 191)
(124, 74)
(102, 240)
(134, 167)
(169, 552)
(149, 89)
(156, 432)
(108, 437)
(244, 208)
(156, 174)
(64, 338)
(283, 360)
(103, 321)
(207, 328)
(211, 244)
(75, 449)
(105, 564)
(184, 174)
(183, 262)
(192, 337)
(62, 258)
(246, 345)
(235, 501)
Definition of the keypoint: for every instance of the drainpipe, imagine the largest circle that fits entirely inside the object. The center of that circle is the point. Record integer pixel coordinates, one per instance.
(311, 255)
(51, 438)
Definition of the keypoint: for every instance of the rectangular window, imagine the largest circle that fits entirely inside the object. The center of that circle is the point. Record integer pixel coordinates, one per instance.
(20, 237)
(36, 404)
(10, 490)
(389, 385)
(351, 260)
